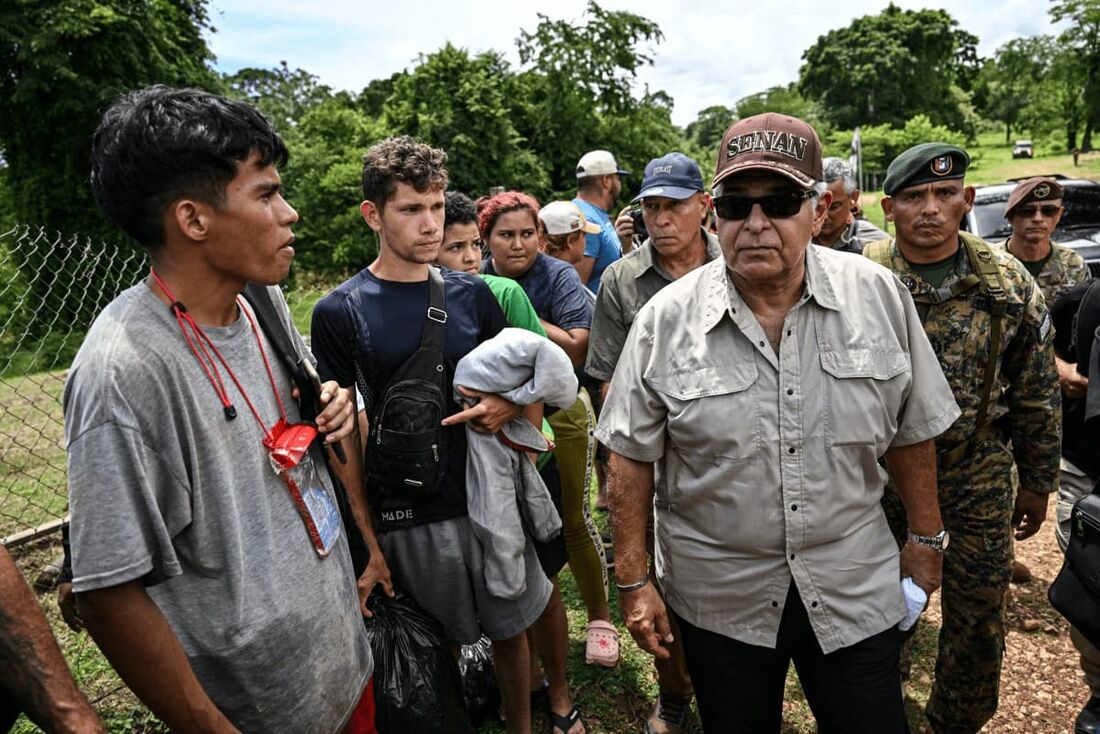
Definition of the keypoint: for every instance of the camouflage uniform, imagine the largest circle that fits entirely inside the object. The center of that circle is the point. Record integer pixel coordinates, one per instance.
(1062, 270)
(975, 492)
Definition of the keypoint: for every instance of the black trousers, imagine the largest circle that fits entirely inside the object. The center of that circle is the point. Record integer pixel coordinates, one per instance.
(739, 687)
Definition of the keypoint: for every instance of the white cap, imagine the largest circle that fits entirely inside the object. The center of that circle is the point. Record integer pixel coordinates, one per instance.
(563, 217)
(598, 163)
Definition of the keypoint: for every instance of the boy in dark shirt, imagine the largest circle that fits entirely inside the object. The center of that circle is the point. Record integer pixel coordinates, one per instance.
(362, 333)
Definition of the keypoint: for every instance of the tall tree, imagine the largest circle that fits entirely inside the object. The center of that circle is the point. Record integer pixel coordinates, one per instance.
(61, 63)
(323, 182)
(281, 94)
(707, 129)
(786, 100)
(1008, 81)
(459, 103)
(1082, 35)
(577, 89)
(886, 68)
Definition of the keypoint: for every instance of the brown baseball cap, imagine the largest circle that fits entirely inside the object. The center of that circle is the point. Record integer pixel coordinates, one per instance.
(770, 142)
(1039, 188)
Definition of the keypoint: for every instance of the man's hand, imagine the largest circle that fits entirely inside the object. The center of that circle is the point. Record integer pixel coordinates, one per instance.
(337, 419)
(489, 414)
(924, 564)
(376, 572)
(1073, 385)
(624, 227)
(66, 602)
(1031, 510)
(646, 617)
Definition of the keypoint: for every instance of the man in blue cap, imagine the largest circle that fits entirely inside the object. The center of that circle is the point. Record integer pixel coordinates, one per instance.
(988, 324)
(674, 204)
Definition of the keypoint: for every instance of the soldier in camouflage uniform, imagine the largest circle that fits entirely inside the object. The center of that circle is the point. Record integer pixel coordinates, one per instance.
(1033, 209)
(989, 326)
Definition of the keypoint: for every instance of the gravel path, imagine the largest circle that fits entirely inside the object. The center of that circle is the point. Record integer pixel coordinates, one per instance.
(1041, 685)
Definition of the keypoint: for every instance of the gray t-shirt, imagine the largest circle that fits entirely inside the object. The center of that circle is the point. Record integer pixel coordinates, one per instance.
(164, 489)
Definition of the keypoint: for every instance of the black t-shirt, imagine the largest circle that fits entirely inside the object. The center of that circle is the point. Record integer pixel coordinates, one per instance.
(365, 345)
(1076, 316)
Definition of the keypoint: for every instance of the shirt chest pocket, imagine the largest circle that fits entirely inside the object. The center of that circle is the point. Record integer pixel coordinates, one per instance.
(863, 390)
(713, 410)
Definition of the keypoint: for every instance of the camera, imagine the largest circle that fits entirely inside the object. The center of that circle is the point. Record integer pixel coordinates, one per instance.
(639, 224)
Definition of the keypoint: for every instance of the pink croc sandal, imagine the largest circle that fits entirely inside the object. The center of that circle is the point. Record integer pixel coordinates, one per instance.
(602, 646)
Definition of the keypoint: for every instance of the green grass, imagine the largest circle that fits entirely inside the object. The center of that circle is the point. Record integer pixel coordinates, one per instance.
(32, 451)
(301, 302)
(119, 708)
(618, 700)
(992, 162)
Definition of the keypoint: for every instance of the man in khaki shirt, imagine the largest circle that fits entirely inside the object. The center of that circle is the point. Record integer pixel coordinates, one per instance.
(751, 405)
(673, 202)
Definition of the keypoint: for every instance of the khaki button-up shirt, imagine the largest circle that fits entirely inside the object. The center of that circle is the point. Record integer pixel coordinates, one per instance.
(626, 286)
(767, 464)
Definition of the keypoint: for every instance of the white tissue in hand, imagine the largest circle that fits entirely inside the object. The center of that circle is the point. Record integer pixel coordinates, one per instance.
(915, 601)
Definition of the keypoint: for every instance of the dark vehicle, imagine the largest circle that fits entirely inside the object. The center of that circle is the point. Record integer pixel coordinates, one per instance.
(1023, 149)
(1079, 228)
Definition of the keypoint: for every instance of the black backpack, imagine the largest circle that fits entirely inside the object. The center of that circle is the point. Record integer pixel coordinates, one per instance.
(406, 443)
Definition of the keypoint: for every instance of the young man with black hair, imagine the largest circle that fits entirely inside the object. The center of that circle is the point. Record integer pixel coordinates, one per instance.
(363, 332)
(219, 587)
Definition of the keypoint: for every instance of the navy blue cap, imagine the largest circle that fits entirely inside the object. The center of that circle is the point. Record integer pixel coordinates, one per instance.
(674, 176)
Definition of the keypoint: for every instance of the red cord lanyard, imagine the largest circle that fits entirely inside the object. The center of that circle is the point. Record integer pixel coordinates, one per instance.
(202, 347)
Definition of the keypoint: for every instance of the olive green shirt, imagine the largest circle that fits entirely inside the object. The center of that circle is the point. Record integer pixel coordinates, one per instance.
(1062, 269)
(767, 465)
(626, 286)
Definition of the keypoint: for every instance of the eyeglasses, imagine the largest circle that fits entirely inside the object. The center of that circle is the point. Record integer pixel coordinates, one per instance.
(776, 206)
(1047, 210)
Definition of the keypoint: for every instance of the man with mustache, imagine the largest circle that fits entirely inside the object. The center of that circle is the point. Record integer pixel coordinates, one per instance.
(752, 401)
(988, 323)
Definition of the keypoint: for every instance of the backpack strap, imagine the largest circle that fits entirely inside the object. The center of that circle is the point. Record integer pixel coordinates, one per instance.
(309, 405)
(879, 252)
(987, 272)
(268, 318)
(301, 370)
(436, 316)
(984, 261)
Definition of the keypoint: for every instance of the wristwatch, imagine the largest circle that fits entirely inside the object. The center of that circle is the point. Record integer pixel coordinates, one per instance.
(937, 542)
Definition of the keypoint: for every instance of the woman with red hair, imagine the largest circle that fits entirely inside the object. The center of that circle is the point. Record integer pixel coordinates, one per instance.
(510, 227)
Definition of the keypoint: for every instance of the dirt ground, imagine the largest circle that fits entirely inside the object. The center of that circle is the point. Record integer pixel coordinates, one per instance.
(1041, 685)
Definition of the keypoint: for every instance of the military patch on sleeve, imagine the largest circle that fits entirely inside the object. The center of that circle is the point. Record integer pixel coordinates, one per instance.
(1044, 327)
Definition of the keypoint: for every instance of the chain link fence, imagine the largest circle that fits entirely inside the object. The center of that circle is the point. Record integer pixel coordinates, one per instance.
(52, 286)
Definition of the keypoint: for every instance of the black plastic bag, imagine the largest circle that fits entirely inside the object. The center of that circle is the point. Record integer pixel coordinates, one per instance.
(417, 687)
(479, 682)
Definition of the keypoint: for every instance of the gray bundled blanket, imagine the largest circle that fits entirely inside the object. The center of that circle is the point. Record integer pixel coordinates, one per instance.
(504, 492)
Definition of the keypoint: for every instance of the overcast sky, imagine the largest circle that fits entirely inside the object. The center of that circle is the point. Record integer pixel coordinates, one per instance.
(709, 55)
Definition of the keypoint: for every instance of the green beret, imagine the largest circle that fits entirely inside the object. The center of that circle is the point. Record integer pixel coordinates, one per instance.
(924, 163)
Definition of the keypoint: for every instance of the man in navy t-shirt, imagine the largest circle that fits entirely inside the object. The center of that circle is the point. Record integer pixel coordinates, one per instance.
(362, 333)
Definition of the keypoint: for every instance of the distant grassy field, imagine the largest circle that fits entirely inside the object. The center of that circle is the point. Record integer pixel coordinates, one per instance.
(992, 162)
(32, 453)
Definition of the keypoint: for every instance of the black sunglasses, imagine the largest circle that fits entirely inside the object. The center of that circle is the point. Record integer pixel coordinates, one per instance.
(1048, 210)
(776, 206)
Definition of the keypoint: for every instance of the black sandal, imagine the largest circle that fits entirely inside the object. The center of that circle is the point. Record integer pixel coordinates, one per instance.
(567, 722)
